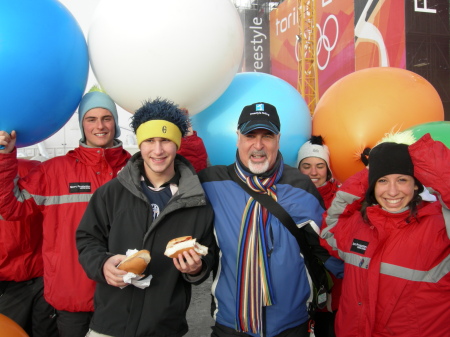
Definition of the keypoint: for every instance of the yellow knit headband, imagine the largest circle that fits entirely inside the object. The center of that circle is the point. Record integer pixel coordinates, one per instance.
(158, 128)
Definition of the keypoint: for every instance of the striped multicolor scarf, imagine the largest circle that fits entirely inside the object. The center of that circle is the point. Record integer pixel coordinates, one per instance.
(254, 288)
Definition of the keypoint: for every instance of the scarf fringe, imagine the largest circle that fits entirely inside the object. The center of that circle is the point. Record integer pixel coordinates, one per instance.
(254, 288)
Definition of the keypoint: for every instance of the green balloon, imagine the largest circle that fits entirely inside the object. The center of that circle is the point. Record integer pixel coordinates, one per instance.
(438, 130)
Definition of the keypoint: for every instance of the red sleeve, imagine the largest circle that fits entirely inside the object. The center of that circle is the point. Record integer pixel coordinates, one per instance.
(193, 149)
(15, 203)
(345, 204)
(431, 165)
(25, 166)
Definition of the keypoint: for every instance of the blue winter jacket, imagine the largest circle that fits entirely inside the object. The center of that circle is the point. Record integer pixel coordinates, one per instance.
(291, 285)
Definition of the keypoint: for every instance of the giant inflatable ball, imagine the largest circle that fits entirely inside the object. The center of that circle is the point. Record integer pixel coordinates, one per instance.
(184, 51)
(43, 68)
(360, 108)
(438, 131)
(9, 328)
(217, 124)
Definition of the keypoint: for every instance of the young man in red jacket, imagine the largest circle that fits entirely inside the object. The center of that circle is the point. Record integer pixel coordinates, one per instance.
(60, 190)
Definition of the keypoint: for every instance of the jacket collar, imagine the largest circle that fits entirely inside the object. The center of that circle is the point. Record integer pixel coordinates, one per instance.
(115, 156)
(379, 217)
(189, 184)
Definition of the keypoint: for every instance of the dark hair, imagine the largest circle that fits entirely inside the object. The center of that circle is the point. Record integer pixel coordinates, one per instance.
(318, 140)
(413, 204)
(161, 109)
(329, 175)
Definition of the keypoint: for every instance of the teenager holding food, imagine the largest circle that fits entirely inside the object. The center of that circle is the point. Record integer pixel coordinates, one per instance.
(157, 197)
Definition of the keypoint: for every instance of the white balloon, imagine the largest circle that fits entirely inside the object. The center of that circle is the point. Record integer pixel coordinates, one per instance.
(184, 51)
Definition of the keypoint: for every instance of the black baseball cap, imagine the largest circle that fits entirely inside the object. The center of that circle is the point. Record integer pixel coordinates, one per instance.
(259, 116)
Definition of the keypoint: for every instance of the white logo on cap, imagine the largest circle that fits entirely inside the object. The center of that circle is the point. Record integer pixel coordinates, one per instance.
(259, 107)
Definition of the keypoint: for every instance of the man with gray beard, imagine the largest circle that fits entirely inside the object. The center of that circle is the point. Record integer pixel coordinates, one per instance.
(261, 286)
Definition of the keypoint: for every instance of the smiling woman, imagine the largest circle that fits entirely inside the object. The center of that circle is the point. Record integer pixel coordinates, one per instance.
(391, 179)
(395, 245)
(394, 191)
(314, 160)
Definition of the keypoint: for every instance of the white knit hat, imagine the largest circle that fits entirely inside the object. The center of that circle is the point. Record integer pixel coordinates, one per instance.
(314, 148)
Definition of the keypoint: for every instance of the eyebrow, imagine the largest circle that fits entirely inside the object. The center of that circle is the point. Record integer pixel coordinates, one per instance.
(105, 116)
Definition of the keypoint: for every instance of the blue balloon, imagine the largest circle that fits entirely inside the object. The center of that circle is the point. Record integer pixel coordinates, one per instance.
(44, 67)
(217, 124)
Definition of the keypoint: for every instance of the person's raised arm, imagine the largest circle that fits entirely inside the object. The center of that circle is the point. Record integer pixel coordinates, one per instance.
(347, 201)
(431, 166)
(16, 201)
(7, 141)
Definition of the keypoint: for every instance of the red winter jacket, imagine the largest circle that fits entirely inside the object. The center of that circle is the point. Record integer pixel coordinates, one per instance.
(193, 149)
(397, 272)
(60, 188)
(21, 242)
(327, 192)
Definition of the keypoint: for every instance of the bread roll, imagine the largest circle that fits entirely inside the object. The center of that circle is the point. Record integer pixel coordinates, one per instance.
(136, 263)
(184, 243)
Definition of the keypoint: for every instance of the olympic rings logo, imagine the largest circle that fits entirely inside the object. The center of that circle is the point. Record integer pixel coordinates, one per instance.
(325, 41)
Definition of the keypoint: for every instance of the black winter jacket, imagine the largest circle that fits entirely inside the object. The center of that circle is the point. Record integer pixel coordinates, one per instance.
(118, 218)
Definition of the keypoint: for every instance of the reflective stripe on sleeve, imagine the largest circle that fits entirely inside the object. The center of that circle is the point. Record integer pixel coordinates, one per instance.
(432, 276)
(446, 214)
(355, 260)
(61, 199)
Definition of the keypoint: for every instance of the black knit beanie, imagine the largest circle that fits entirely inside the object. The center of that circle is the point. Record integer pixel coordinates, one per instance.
(389, 158)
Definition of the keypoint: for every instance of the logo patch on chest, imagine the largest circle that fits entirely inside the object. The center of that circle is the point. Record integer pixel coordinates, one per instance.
(79, 187)
(359, 246)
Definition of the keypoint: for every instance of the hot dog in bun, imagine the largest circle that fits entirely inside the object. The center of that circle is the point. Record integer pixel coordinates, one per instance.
(135, 263)
(184, 243)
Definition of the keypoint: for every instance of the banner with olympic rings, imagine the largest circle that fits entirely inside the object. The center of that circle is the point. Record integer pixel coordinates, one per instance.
(335, 47)
(353, 35)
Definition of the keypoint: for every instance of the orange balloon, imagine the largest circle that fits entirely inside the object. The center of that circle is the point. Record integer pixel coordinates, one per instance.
(359, 109)
(9, 328)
